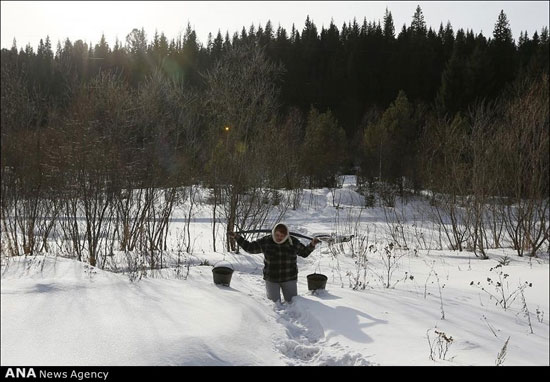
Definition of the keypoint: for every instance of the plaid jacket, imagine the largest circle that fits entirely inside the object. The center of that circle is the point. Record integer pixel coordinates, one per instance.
(279, 259)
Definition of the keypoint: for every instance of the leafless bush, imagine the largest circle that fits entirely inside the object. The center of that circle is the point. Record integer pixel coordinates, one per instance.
(254, 207)
(525, 167)
(433, 272)
(183, 262)
(496, 223)
(10, 200)
(447, 174)
(188, 197)
(73, 235)
(160, 206)
(390, 257)
(295, 198)
(439, 345)
(29, 204)
(358, 247)
(241, 100)
(86, 156)
(395, 221)
(503, 294)
(131, 211)
(454, 219)
(136, 265)
(483, 182)
(489, 172)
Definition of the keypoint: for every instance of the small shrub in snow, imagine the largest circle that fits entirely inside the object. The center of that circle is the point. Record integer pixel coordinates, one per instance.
(441, 287)
(503, 295)
(360, 250)
(439, 345)
(390, 259)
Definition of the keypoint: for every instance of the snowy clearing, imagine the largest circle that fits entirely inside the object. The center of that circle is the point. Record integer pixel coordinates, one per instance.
(58, 311)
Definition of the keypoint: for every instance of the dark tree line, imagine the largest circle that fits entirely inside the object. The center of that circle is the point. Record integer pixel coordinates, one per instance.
(110, 132)
(347, 70)
(356, 73)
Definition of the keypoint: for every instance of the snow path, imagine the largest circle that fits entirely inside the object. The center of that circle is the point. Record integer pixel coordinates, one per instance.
(93, 317)
(303, 341)
(307, 344)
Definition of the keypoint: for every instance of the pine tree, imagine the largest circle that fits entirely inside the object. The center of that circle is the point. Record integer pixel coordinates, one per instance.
(503, 55)
(14, 46)
(543, 51)
(502, 32)
(310, 31)
(544, 36)
(101, 55)
(389, 28)
(418, 24)
(448, 37)
(451, 96)
(102, 48)
(136, 41)
(217, 47)
(478, 75)
(267, 36)
(227, 41)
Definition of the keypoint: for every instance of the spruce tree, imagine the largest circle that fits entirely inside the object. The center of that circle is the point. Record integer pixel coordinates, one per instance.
(451, 96)
(418, 24)
(503, 55)
(389, 28)
(502, 32)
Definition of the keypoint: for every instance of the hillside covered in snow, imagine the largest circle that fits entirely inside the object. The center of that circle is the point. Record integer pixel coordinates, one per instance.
(383, 305)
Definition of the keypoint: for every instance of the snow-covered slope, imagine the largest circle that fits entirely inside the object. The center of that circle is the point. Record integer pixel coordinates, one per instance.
(61, 312)
(58, 311)
(68, 313)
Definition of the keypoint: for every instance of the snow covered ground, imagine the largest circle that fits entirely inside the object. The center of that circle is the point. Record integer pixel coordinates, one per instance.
(57, 311)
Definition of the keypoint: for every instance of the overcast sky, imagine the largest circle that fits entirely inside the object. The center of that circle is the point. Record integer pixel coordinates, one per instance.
(30, 21)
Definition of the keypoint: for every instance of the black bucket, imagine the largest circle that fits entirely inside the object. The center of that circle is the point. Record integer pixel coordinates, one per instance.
(316, 281)
(222, 275)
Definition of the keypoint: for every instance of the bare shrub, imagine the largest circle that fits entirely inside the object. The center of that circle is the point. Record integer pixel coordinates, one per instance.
(503, 294)
(240, 95)
(439, 345)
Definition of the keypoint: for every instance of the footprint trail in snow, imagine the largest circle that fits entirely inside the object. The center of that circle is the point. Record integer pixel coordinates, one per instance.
(306, 344)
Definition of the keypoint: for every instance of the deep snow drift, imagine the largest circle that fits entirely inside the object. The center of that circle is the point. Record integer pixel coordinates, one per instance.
(57, 311)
